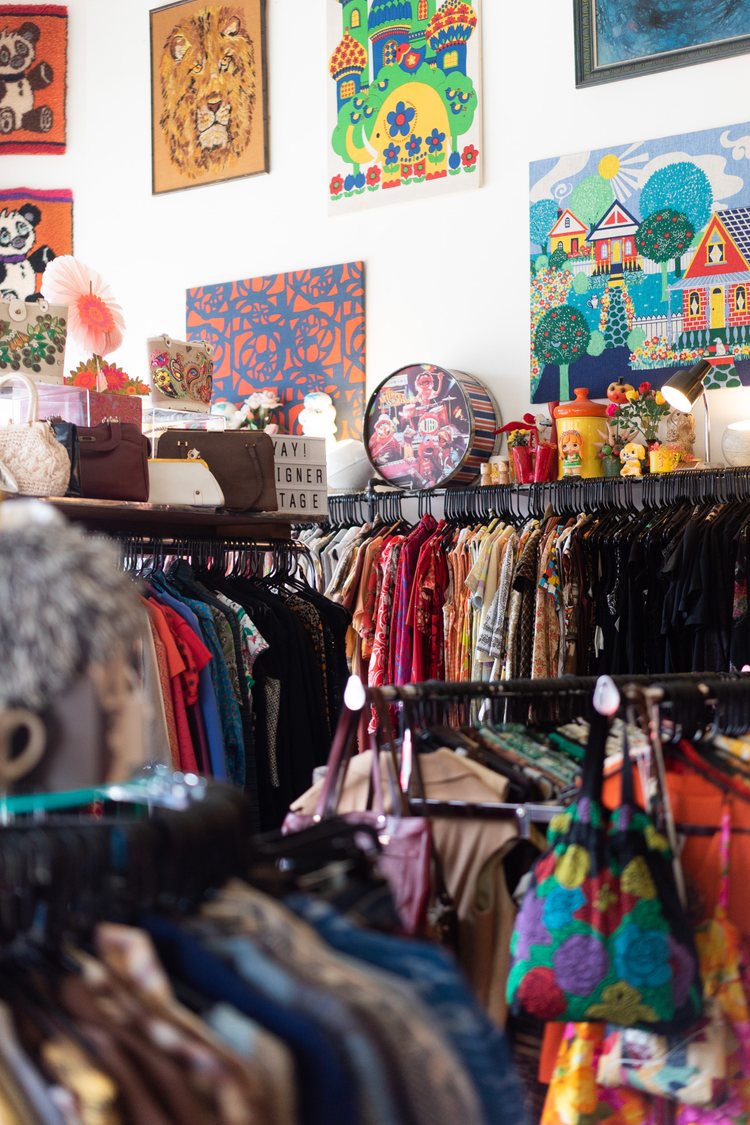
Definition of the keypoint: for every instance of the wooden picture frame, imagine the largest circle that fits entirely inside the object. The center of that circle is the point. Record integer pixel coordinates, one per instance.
(595, 60)
(209, 93)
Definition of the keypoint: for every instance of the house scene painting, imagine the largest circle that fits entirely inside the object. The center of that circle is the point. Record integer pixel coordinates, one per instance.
(404, 99)
(640, 262)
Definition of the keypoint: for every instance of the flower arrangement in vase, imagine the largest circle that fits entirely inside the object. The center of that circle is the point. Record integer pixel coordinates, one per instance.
(254, 413)
(642, 411)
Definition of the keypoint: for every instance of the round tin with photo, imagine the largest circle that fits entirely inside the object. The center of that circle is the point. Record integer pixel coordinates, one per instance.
(426, 427)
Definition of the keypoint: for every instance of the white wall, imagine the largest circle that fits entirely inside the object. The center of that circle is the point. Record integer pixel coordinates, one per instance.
(446, 279)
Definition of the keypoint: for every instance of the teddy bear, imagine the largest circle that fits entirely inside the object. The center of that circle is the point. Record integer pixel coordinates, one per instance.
(18, 264)
(631, 457)
(20, 81)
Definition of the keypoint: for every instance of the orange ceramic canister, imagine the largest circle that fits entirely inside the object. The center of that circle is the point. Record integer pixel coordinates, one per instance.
(581, 432)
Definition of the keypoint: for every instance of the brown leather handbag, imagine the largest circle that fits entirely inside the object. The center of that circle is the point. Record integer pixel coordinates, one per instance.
(241, 460)
(113, 462)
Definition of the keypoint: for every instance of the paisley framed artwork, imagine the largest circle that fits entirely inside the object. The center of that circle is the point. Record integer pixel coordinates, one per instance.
(209, 101)
(617, 39)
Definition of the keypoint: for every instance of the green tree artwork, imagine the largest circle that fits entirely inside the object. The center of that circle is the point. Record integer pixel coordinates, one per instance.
(662, 236)
(557, 259)
(562, 337)
(590, 199)
(682, 187)
(542, 215)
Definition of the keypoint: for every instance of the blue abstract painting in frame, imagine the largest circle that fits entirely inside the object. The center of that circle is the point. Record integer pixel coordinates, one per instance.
(288, 332)
(617, 39)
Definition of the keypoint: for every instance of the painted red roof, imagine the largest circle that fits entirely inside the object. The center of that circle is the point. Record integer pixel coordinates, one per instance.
(451, 13)
(349, 55)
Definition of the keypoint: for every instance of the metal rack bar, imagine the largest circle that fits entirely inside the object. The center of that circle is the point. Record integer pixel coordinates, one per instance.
(694, 486)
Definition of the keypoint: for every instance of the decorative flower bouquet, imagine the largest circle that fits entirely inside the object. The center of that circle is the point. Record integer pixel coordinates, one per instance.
(256, 410)
(644, 410)
(97, 374)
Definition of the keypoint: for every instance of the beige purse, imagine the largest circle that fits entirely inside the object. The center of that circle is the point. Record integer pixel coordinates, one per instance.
(30, 451)
(32, 339)
(183, 482)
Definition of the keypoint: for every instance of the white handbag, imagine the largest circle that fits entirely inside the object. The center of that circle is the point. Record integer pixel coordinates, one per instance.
(32, 339)
(183, 482)
(30, 451)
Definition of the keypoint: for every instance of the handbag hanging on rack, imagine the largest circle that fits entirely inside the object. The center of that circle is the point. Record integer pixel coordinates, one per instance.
(406, 859)
(30, 451)
(602, 934)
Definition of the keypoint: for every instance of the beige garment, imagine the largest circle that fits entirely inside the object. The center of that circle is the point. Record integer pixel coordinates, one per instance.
(94, 1091)
(464, 848)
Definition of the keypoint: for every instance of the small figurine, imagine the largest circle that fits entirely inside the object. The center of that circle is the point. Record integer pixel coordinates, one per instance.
(631, 457)
(485, 473)
(618, 392)
(503, 472)
(571, 445)
(318, 417)
(681, 434)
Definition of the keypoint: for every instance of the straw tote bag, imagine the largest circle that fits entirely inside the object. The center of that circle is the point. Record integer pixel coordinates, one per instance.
(30, 450)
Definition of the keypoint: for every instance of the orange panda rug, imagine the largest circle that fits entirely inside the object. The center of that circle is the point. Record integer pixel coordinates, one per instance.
(33, 74)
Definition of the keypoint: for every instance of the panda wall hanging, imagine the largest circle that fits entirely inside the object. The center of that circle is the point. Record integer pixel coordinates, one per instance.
(35, 228)
(33, 75)
(426, 427)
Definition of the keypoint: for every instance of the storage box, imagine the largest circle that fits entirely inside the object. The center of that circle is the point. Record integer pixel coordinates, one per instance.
(72, 404)
(301, 479)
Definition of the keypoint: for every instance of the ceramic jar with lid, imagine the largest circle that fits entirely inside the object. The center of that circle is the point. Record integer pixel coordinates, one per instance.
(581, 432)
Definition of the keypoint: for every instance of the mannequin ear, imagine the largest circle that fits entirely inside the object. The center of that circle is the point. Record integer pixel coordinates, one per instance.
(178, 46)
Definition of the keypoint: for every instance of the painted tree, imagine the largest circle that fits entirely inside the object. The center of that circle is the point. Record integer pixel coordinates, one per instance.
(682, 187)
(616, 327)
(542, 216)
(590, 199)
(549, 288)
(662, 236)
(557, 259)
(562, 336)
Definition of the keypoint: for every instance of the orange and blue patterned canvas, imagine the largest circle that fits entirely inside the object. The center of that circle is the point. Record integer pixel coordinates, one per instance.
(290, 332)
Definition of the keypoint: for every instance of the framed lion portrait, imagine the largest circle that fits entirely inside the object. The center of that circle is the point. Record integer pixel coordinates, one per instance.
(209, 118)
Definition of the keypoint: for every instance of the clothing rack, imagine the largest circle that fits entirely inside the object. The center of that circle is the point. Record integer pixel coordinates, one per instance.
(244, 554)
(708, 697)
(695, 486)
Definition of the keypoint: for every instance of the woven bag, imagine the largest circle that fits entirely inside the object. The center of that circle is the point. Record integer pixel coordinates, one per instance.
(31, 452)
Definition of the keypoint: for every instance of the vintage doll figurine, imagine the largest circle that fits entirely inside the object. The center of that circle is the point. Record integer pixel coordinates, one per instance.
(571, 444)
(631, 457)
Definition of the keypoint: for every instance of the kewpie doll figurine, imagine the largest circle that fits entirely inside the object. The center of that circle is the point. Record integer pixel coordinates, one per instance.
(571, 445)
(631, 456)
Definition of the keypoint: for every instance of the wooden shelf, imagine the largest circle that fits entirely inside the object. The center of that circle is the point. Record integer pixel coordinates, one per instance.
(128, 518)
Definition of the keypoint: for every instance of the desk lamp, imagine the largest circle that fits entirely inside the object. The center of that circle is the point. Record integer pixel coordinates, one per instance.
(684, 389)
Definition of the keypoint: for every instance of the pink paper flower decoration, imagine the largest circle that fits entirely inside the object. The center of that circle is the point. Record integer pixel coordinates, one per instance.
(95, 319)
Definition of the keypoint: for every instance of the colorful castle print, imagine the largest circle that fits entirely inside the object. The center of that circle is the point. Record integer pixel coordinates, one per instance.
(406, 96)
